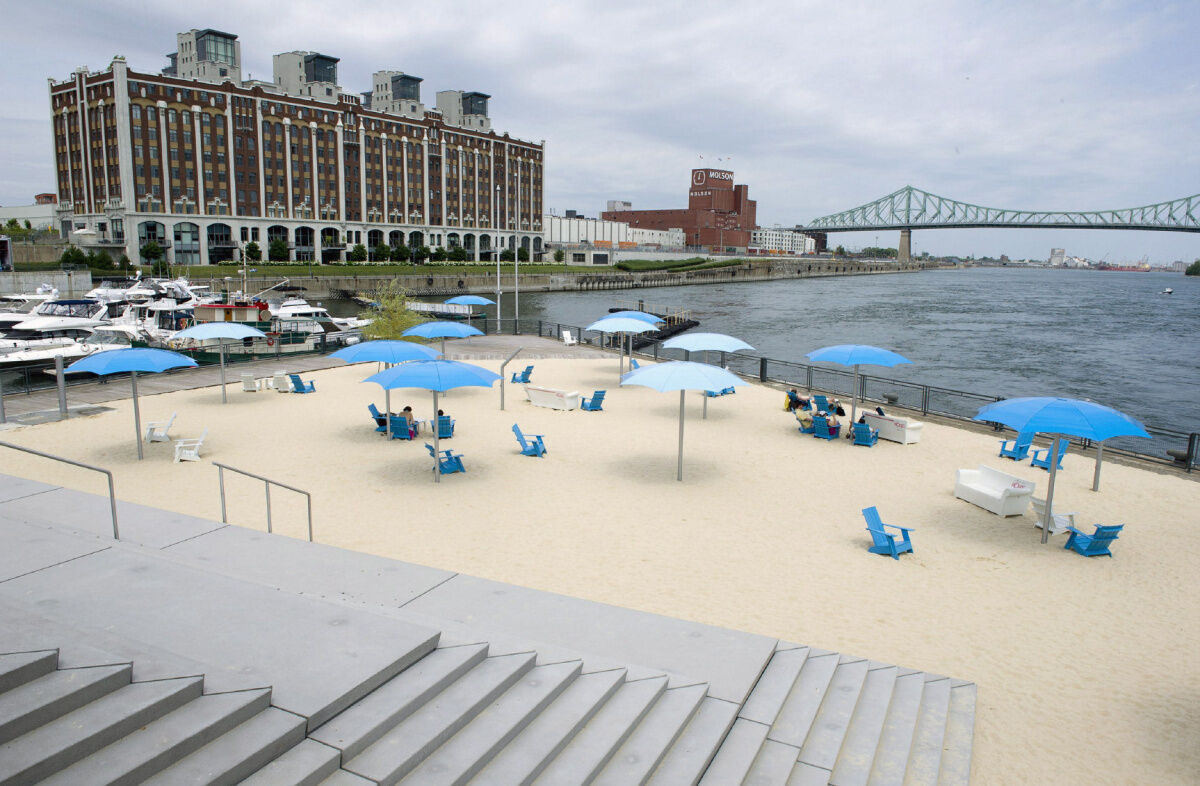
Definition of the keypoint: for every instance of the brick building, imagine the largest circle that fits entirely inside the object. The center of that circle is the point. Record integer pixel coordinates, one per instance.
(719, 215)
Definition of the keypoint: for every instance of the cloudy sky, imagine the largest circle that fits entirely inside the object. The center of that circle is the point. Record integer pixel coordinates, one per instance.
(817, 106)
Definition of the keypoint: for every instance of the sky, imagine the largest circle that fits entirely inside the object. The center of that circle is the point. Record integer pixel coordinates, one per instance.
(817, 106)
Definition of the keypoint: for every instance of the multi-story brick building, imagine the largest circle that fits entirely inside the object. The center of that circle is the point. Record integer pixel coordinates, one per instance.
(719, 214)
(202, 162)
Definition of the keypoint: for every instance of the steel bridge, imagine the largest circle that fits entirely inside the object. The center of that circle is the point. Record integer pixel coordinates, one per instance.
(911, 208)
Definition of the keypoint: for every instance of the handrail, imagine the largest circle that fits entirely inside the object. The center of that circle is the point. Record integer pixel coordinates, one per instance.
(112, 495)
(267, 481)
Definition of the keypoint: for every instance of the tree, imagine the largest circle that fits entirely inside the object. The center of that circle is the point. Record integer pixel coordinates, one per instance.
(277, 250)
(507, 255)
(421, 254)
(391, 317)
(382, 252)
(124, 262)
(401, 253)
(72, 256)
(151, 252)
(99, 260)
(457, 254)
(28, 225)
(438, 255)
(559, 255)
(523, 254)
(1193, 269)
(253, 252)
(358, 253)
(839, 251)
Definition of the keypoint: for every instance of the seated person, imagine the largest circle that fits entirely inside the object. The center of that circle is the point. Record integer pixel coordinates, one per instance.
(407, 414)
(805, 418)
(834, 423)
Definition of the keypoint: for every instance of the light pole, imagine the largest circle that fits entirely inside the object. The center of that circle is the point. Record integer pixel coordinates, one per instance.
(496, 251)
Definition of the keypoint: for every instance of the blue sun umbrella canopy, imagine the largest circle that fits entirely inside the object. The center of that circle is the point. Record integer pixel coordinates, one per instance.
(442, 329)
(133, 360)
(706, 342)
(653, 319)
(385, 351)
(621, 325)
(437, 376)
(856, 355)
(682, 375)
(220, 330)
(1062, 416)
(470, 300)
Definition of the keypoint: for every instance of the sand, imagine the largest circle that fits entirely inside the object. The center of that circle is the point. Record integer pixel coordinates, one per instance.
(1087, 668)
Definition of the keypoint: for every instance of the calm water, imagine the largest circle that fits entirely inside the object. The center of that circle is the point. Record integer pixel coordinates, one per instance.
(1109, 337)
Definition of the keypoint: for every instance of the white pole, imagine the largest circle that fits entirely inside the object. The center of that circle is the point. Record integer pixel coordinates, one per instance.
(137, 415)
(437, 444)
(1049, 514)
(854, 398)
(679, 470)
(1099, 461)
(221, 352)
(387, 411)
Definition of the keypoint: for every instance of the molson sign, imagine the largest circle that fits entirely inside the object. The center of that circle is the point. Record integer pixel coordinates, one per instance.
(719, 177)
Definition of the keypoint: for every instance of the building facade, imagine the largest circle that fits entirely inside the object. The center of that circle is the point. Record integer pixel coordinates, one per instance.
(719, 215)
(781, 241)
(205, 163)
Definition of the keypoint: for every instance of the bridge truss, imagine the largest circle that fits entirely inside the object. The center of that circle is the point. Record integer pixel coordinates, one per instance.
(912, 208)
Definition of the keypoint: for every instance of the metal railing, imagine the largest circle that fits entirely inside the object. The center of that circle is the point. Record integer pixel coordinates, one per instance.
(112, 494)
(267, 483)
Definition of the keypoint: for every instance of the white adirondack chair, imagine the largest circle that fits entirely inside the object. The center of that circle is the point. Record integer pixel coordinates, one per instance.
(157, 432)
(568, 339)
(189, 449)
(249, 383)
(1058, 521)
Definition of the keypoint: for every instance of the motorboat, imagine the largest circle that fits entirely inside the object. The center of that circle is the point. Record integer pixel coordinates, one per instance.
(54, 321)
(299, 309)
(99, 339)
(1167, 291)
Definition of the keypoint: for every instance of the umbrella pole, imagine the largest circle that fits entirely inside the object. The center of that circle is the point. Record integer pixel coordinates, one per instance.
(854, 399)
(221, 352)
(679, 471)
(387, 411)
(137, 416)
(705, 415)
(437, 444)
(1099, 461)
(1050, 491)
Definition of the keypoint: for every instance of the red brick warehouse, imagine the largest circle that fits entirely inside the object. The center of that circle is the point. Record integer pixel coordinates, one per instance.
(719, 214)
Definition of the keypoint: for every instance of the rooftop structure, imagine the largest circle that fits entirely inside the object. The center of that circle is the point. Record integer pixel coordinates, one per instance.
(719, 215)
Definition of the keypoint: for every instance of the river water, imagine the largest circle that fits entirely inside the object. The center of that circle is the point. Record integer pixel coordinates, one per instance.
(1106, 336)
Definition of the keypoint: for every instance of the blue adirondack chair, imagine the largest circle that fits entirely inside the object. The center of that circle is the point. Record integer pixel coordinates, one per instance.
(885, 543)
(864, 434)
(809, 430)
(594, 403)
(535, 448)
(523, 377)
(401, 428)
(821, 428)
(634, 364)
(723, 392)
(1096, 544)
(1041, 457)
(450, 464)
(445, 427)
(380, 419)
(1019, 449)
(301, 387)
(821, 403)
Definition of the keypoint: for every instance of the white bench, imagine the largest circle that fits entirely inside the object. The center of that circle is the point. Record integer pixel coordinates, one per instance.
(552, 398)
(895, 429)
(991, 489)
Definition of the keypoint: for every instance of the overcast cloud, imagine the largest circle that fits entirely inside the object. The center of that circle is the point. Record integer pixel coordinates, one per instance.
(817, 106)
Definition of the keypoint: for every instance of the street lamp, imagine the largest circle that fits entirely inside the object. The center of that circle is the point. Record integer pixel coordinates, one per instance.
(496, 252)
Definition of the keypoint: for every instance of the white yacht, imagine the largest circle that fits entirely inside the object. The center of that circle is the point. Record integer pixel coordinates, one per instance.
(298, 309)
(58, 321)
(99, 339)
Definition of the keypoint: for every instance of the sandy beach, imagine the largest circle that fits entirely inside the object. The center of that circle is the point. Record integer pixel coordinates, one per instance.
(1088, 669)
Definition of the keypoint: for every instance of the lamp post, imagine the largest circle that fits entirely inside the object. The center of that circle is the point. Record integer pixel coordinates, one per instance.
(496, 251)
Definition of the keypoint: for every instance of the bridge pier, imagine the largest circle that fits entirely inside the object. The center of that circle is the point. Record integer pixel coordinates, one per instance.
(904, 254)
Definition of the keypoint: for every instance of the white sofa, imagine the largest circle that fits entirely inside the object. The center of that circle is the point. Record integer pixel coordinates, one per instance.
(903, 430)
(552, 398)
(991, 489)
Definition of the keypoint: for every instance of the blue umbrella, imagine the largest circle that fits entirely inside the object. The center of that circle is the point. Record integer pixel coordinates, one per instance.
(132, 360)
(442, 329)
(615, 324)
(1058, 417)
(220, 330)
(385, 351)
(706, 342)
(437, 376)
(470, 300)
(682, 375)
(653, 319)
(856, 355)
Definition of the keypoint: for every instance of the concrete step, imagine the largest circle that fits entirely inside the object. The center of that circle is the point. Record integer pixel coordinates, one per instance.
(527, 755)
(304, 764)
(35, 703)
(372, 716)
(804, 701)
(737, 753)
(687, 759)
(17, 668)
(808, 775)
(824, 740)
(343, 778)
(405, 745)
(774, 685)
(895, 742)
(960, 733)
(641, 753)
(466, 753)
(156, 745)
(773, 765)
(925, 759)
(76, 735)
(866, 726)
(587, 753)
(238, 753)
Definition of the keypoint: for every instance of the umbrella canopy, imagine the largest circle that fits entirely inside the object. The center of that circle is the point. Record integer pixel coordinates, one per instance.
(653, 319)
(682, 375)
(856, 355)
(384, 351)
(437, 376)
(621, 325)
(132, 360)
(220, 330)
(1058, 417)
(470, 300)
(442, 329)
(703, 342)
